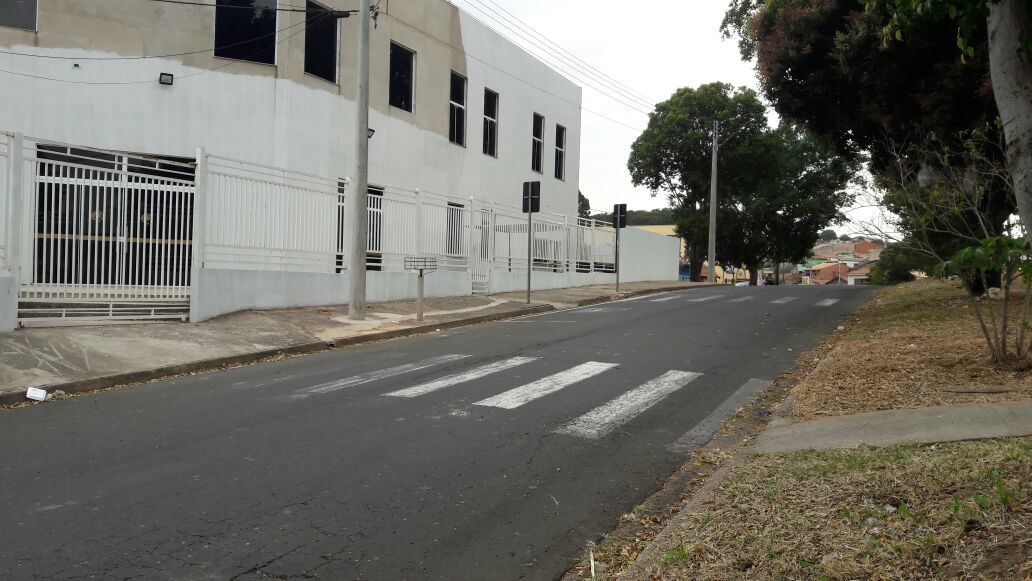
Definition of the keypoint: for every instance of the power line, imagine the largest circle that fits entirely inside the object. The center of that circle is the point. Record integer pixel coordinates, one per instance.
(512, 76)
(150, 81)
(644, 109)
(564, 54)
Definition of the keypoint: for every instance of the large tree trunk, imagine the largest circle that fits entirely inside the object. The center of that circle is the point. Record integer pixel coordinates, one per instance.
(754, 273)
(1011, 68)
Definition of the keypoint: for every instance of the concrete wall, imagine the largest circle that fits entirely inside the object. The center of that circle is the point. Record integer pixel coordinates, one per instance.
(277, 115)
(8, 302)
(218, 292)
(645, 256)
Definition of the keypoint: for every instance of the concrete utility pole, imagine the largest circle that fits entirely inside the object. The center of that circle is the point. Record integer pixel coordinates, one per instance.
(712, 277)
(359, 204)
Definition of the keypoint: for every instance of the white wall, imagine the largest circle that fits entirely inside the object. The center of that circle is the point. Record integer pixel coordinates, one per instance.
(645, 256)
(218, 292)
(8, 302)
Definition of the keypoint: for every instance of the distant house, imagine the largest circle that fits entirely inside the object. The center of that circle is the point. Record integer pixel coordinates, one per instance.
(858, 276)
(829, 273)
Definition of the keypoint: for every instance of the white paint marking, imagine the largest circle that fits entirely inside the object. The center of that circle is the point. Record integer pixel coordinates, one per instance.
(703, 299)
(743, 299)
(381, 374)
(607, 417)
(827, 302)
(514, 398)
(783, 300)
(475, 373)
(664, 299)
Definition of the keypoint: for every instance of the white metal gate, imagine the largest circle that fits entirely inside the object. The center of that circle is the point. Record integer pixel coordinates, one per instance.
(480, 249)
(111, 235)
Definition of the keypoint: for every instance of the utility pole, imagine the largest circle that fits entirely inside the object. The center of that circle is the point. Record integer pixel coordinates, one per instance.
(713, 207)
(359, 204)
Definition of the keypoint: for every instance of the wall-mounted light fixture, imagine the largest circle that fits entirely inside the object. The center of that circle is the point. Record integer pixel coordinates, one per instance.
(371, 132)
(166, 78)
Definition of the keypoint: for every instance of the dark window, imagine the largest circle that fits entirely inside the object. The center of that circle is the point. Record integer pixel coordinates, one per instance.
(374, 245)
(457, 112)
(537, 148)
(18, 14)
(403, 77)
(490, 123)
(453, 229)
(246, 30)
(320, 43)
(560, 152)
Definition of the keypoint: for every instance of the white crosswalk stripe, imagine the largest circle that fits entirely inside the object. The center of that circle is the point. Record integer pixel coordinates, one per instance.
(523, 394)
(607, 417)
(704, 299)
(743, 299)
(663, 299)
(827, 302)
(379, 374)
(783, 300)
(470, 375)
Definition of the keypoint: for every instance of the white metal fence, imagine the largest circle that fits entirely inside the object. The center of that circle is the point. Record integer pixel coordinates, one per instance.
(258, 218)
(103, 228)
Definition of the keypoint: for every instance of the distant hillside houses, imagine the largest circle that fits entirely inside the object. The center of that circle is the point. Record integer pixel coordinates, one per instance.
(846, 262)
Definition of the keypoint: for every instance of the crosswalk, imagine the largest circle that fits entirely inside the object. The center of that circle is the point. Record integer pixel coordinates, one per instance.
(596, 423)
(742, 299)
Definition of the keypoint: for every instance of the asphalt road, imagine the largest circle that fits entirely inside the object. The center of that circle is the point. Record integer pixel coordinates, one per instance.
(490, 452)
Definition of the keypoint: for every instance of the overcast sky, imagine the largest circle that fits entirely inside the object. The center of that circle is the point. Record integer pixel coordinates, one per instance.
(651, 48)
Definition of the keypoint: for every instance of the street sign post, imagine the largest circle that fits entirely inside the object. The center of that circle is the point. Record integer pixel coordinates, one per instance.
(619, 223)
(424, 266)
(531, 206)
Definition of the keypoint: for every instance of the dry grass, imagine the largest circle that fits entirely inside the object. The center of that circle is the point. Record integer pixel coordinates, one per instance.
(961, 510)
(913, 345)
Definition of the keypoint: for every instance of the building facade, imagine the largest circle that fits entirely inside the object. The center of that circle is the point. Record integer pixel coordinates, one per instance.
(455, 107)
(174, 159)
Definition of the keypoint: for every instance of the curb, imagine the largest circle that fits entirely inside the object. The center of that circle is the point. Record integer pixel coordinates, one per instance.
(148, 375)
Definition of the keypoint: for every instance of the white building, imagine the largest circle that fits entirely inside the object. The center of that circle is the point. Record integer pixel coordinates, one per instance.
(462, 118)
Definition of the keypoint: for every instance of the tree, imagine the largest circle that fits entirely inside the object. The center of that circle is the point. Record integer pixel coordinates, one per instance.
(844, 238)
(583, 206)
(895, 265)
(1008, 26)
(824, 63)
(673, 154)
(828, 235)
(778, 188)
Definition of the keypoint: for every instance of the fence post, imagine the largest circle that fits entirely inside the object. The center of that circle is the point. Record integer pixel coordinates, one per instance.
(200, 215)
(493, 225)
(419, 222)
(15, 207)
(469, 234)
(566, 258)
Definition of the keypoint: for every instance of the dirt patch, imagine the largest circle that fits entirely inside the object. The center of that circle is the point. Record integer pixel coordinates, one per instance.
(960, 510)
(914, 345)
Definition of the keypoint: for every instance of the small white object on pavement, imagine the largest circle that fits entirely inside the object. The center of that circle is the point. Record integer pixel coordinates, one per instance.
(36, 394)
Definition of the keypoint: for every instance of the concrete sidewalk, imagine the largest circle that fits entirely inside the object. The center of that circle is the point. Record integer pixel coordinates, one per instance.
(907, 426)
(78, 359)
